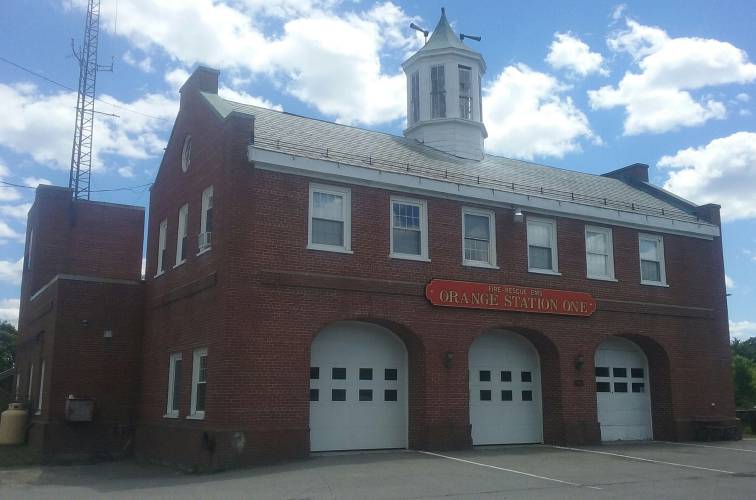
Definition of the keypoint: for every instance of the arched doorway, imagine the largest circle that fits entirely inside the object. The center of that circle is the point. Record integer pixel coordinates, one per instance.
(358, 388)
(622, 391)
(505, 389)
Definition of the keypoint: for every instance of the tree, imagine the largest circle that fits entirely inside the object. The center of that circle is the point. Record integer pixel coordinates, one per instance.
(8, 338)
(746, 348)
(744, 378)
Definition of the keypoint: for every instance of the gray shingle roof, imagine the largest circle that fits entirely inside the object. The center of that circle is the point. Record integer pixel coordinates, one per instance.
(311, 137)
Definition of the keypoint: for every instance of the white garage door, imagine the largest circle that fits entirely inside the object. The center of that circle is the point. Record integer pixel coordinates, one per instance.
(358, 388)
(505, 390)
(622, 391)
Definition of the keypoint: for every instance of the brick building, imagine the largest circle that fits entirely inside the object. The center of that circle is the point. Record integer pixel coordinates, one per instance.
(313, 286)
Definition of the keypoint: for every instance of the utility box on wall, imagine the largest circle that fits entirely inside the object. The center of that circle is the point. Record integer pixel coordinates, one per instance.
(79, 409)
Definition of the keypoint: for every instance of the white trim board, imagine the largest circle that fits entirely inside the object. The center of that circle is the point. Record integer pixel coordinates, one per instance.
(409, 183)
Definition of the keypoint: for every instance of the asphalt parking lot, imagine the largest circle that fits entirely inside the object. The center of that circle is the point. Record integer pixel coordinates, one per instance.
(633, 470)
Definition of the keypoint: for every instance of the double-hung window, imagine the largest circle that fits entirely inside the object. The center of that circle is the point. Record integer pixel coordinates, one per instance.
(31, 382)
(414, 98)
(478, 237)
(651, 249)
(465, 92)
(29, 249)
(599, 254)
(161, 256)
(174, 385)
(41, 387)
(206, 222)
(181, 237)
(542, 246)
(438, 92)
(199, 383)
(330, 218)
(409, 229)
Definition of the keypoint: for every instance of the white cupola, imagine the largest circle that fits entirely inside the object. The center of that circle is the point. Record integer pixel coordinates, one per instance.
(443, 94)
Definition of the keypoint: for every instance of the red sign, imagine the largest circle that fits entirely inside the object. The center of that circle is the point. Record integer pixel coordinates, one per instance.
(465, 294)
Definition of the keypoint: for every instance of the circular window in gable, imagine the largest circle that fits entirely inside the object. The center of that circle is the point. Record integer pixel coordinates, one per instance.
(186, 153)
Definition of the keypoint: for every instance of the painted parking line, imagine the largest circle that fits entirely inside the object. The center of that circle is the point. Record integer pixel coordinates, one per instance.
(641, 459)
(709, 446)
(513, 471)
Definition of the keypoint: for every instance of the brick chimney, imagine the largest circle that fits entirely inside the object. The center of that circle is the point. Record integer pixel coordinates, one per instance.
(637, 172)
(203, 79)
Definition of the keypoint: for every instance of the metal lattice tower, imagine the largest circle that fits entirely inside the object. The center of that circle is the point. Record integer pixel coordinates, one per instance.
(81, 153)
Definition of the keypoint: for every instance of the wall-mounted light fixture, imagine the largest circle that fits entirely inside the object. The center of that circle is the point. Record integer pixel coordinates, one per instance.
(448, 358)
(579, 362)
(518, 216)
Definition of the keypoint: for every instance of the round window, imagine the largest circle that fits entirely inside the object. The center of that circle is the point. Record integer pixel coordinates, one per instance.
(186, 154)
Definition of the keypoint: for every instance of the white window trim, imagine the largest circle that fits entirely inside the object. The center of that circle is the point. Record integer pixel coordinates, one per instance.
(346, 193)
(31, 247)
(193, 413)
(662, 267)
(423, 205)
(610, 252)
(181, 231)
(162, 242)
(186, 159)
(31, 383)
(554, 271)
(169, 412)
(207, 195)
(41, 388)
(491, 264)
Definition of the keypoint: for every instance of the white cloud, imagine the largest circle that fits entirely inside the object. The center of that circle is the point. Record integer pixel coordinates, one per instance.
(330, 61)
(36, 181)
(618, 11)
(729, 282)
(658, 98)
(145, 64)
(10, 271)
(742, 329)
(127, 171)
(42, 125)
(526, 116)
(743, 97)
(570, 53)
(9, 310)
(176, 77)
(19, 212)
(243, 97)
(723, 172)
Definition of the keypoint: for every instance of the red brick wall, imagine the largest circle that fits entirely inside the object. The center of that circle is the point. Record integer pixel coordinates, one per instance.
(266, 298)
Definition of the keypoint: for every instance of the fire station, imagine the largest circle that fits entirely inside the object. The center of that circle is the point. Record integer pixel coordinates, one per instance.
(312, 286)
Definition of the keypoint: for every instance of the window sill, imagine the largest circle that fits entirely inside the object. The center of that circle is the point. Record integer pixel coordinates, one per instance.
(418, 258)
(38, 412)
(179, 263)
(544, 271)
(196, 416)
(204, 250)
(602, 278)
(324, 248)
(483, 265)
(655, 283)
(158, 274)
(168, 415)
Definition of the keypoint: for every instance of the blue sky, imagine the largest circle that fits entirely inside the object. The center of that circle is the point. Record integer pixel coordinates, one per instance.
(589, 86)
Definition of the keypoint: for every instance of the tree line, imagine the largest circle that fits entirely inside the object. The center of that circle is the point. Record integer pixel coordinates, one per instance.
(744, 372)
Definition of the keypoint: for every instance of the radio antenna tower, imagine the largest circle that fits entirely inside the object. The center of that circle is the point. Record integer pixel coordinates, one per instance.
(81, 153)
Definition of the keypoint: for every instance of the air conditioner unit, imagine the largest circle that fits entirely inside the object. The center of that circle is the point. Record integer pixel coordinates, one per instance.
(205, 240)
